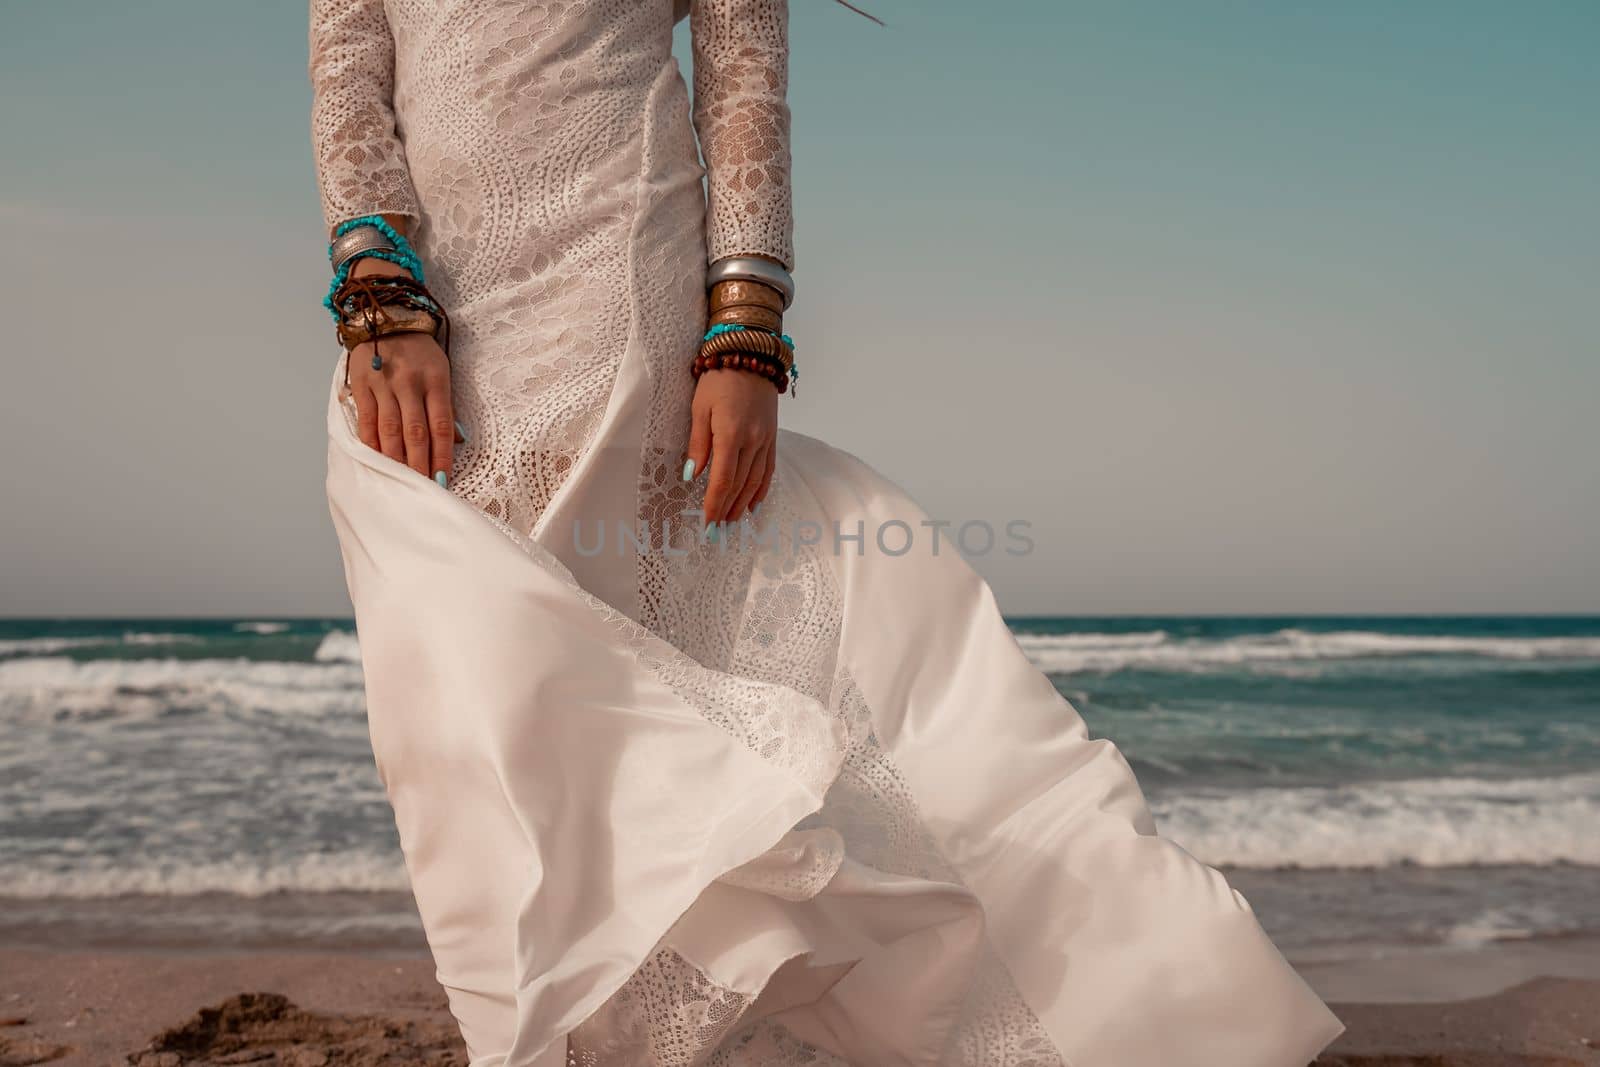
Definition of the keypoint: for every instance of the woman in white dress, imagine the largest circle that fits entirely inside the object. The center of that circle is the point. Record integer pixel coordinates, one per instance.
(768, 794)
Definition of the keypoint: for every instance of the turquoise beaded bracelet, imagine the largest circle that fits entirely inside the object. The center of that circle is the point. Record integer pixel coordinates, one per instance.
(730, 327)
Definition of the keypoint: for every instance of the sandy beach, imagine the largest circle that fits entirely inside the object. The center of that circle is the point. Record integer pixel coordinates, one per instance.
(341, 1010)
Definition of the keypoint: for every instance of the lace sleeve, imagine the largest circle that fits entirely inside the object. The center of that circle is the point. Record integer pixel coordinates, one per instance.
(361, 163)
(741, 74)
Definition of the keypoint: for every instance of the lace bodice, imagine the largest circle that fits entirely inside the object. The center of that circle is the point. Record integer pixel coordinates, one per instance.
(741, 115)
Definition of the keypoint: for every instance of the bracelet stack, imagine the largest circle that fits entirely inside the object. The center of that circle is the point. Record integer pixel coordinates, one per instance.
(735, 347)
(373, 306)
(364, 237)
(747, 299)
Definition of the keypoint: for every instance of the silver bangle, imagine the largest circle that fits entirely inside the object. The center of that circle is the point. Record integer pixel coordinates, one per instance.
(353, 242)
(752, 269)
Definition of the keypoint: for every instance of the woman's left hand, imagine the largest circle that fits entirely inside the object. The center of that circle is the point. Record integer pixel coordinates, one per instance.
(735, 427)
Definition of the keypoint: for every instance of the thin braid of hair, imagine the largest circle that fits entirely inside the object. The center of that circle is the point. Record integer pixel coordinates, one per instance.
(857, 10)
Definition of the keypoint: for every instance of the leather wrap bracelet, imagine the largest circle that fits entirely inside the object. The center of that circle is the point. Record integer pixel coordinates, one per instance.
(371, 307)
(359, 329)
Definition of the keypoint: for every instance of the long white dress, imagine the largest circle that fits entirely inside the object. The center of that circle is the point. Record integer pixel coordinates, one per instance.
(791, 798)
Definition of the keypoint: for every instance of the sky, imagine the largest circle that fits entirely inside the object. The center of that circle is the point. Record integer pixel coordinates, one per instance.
(1247, 307)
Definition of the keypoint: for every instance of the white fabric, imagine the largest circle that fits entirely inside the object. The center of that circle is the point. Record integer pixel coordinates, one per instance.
(574, 797)
(759, 804)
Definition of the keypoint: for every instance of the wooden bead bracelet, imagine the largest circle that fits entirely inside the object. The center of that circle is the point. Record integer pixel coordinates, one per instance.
(766, 366)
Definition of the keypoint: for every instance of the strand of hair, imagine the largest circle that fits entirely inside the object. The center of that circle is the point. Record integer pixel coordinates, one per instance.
(860, 12)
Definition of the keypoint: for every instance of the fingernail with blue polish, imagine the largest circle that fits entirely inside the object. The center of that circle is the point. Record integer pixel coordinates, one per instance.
(442, 478)
(711, 532)
(462, 430)
(688, 470)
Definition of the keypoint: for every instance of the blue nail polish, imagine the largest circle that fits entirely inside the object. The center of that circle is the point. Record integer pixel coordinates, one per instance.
(688, 470)
(711, 532)
(462, 430)
(442, 478)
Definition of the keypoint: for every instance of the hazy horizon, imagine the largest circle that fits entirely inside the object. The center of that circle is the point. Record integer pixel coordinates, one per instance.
(1011, 616)
(1250, 310)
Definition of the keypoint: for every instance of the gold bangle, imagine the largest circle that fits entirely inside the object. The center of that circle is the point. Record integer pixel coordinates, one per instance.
(737, 292)
(755, 342)
(748, 315)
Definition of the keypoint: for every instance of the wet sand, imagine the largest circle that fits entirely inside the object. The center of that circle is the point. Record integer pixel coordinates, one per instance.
(147, 1009)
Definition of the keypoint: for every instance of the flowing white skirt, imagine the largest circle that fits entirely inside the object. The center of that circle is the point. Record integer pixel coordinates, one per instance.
(623, 856)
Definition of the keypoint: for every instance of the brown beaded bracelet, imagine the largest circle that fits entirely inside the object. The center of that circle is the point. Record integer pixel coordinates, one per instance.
(766, 366)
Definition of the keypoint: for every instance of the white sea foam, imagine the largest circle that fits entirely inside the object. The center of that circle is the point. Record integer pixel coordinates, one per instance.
(135, 637)
(1506, 923)
(261, 627)
(1435, 822)
(339, 646)
(1137, 639)
(248, 876)
(44, 646)
(1283, 650)
(53, 687)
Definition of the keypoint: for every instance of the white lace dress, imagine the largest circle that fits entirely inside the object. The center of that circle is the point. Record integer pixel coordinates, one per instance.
(783, 799)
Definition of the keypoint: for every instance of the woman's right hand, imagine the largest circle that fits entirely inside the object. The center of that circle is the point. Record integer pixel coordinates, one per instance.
(404, 410)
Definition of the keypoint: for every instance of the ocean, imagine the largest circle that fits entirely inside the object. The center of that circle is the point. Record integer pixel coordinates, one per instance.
(1369, 784)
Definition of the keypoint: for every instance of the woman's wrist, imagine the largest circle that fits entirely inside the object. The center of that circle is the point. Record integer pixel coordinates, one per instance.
(370, 266)
(401, 224)
(746, 297)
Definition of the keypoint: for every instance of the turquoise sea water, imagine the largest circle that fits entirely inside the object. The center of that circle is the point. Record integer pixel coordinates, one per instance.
(1363, 780)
